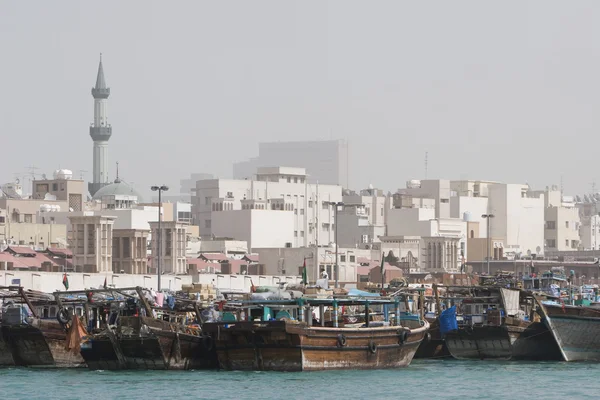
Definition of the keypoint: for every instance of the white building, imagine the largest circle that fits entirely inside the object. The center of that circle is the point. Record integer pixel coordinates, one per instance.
(561, 219)
(362, 221)
(297, 210)
(589, 232)
(326, 161)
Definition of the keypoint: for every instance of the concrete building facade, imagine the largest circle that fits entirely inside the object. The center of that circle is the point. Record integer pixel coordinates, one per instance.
(173, 245)
(276, 190)
(91, 243)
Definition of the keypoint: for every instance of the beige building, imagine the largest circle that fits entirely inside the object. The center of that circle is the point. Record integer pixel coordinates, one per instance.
(439, 254)
(129, 251)
(92, 243)
(38, 231)
(62, 188)
(173, 245)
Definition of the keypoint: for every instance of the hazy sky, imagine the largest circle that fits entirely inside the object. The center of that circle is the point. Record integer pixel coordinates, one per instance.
(504, 91)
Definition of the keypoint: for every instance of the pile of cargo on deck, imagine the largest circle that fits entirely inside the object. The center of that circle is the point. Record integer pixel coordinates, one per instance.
(201, 291)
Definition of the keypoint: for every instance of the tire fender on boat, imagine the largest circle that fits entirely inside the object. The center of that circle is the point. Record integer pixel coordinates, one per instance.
(63, 316)
(372, 347)
(402, 336)
(207, 342)
(341, 339)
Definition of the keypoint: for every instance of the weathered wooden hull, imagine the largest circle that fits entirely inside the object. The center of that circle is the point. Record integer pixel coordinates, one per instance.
(576, 331)
(161, 346)
(40, 345)
(482, 342)
(6, 356)
(99, 354)
(291, 346)
(536, 343)
(433, 346)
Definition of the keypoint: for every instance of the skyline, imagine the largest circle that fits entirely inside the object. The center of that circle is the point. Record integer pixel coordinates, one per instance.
(396, 80)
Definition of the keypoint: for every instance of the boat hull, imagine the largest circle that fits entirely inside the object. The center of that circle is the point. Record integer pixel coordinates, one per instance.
(576, 331)
(536, 343)
(41, 345)
(292, 346)
(482, 342)
(162, 345)
(99, 354)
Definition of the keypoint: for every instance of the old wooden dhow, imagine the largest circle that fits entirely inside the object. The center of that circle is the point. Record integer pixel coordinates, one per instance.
(284, 336)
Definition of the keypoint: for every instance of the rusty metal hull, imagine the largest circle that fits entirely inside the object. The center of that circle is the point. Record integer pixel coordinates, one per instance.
(482, 342)
(162, 346)
(292, 346)
(6, 357)
(576, 331)
(42, 344)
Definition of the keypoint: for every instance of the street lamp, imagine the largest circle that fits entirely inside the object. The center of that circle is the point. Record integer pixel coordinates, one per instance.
(160, 189)
(336, 267)
(488, 216)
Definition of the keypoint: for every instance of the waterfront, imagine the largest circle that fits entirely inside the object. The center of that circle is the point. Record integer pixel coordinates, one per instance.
(434, 379)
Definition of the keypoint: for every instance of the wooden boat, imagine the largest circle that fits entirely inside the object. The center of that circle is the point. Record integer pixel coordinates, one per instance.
(34, 338)
(497, 324)
(138, 340)
(288, 343)
(576, 329)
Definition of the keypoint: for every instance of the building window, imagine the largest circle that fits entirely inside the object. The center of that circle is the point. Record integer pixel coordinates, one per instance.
(295, 179)
(55, 187)
(567, 242)
(28, 218)
(301, 233)
(551, 225)
(230, 195)
(207, 223)
(352, 258)
(472, 234)
(567, 224)
(302, 211)
(325, 205)
(289, 179)
(295, 211)
(444, 200)
(2, 219)
(295, 233)
(310, 204)
(343, 258)
(574, 244)
(551, 243)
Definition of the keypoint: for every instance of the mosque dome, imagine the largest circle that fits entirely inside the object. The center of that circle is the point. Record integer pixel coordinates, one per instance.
(118, 187)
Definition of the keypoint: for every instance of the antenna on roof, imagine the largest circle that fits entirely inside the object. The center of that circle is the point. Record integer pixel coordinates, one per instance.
(426, 154)
(117, 161)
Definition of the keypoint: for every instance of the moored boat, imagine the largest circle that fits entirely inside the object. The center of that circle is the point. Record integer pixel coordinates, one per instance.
(292, 342)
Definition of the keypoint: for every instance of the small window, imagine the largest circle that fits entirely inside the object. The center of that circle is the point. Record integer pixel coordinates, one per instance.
(289, 179)
(310, 204)
(472, 233)
(567, 242)
(301, 233)
(343, 258)
(296, 211)
(352, 258)
(295, 233)
(566, 224)
(302, 211)
(325, 205)
(295, 179)
(55, 187)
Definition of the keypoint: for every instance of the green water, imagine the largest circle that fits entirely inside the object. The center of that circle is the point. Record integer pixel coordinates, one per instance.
(422, 380)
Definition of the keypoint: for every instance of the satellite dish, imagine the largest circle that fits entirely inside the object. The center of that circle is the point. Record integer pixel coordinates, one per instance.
(538, 249)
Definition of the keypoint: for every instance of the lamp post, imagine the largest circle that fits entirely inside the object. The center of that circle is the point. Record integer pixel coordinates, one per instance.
(160, 189)
(488, 217)
(336, 267)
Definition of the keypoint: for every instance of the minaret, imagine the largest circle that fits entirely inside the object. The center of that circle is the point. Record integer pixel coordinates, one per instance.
(100, 131)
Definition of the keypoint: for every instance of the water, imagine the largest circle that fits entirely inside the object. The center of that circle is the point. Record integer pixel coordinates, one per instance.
(422, 380)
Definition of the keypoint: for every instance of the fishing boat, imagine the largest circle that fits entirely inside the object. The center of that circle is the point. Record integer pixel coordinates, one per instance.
(311, 334)
(575, 328)
(497, 323)
(35, 331)
(140, 335)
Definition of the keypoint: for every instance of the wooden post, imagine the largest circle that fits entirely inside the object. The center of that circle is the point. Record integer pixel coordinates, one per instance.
(335, 314)
(24, 296)
(367, 313)
(422, 299)
(322, 313)
(144, 301)
(438, 305)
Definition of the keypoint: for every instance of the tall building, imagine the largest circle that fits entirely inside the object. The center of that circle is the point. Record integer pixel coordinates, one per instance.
(100, 131)
(326, 161)
(278, 208)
